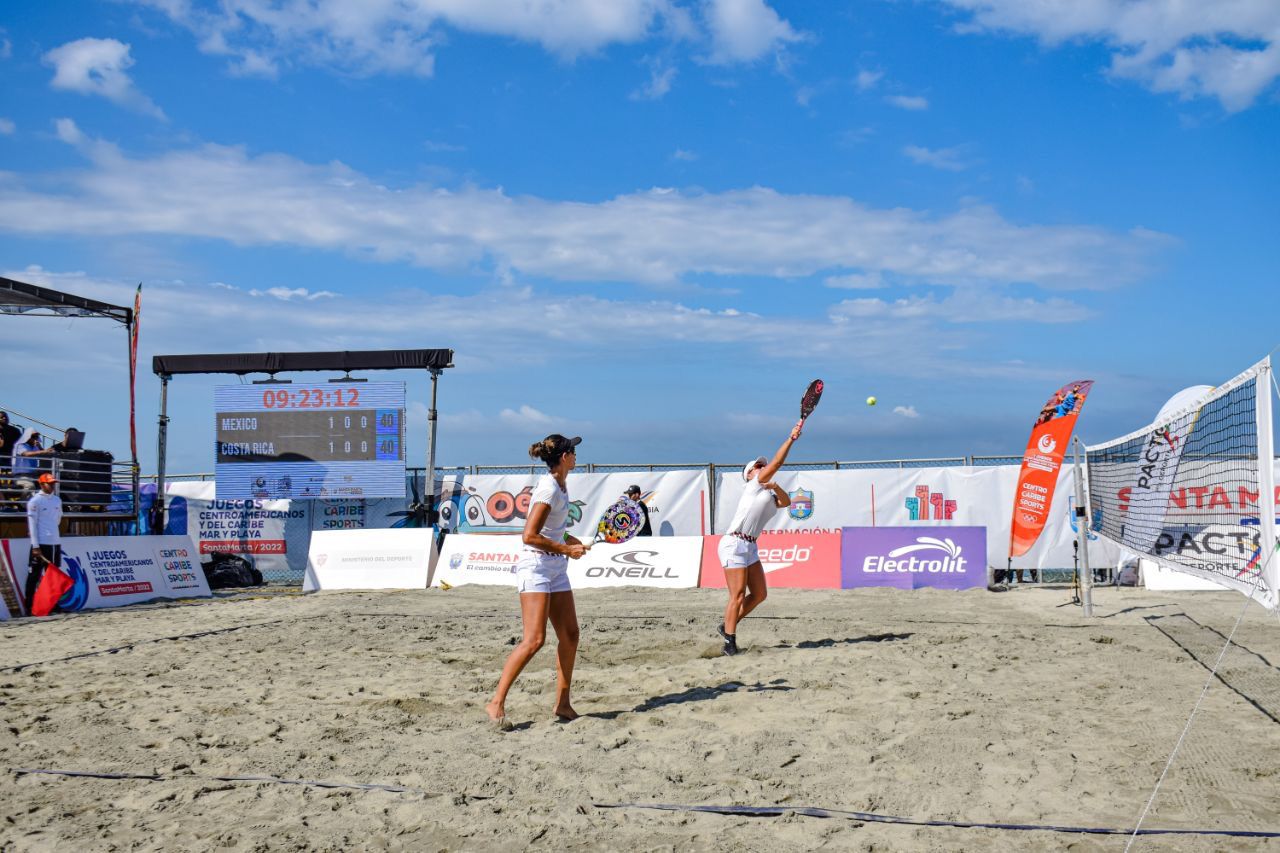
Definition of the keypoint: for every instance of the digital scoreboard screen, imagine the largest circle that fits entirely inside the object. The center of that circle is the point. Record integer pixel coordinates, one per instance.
(339, 439)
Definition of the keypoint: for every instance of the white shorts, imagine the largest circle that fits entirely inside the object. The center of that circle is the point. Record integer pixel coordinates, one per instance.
(737, 553)
(536, 572)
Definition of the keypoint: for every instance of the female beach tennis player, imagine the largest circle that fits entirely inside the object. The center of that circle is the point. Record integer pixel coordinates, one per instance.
(542, 578)
(743, 574)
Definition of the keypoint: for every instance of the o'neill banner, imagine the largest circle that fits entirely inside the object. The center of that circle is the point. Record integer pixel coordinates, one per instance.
(914, 557)
(1033, 496)
(654, 561)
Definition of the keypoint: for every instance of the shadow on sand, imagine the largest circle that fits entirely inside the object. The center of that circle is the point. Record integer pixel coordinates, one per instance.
(831, 642)
(1254, 678)
(695, 694)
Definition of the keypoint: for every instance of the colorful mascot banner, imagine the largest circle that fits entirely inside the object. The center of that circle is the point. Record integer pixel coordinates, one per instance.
(1050, 436)
(677, 501)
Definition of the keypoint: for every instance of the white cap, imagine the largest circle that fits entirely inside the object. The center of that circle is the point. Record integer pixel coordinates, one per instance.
(746, 469)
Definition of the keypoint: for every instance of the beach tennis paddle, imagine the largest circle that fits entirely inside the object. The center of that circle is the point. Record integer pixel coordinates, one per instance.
(619, 523)
(809, 401)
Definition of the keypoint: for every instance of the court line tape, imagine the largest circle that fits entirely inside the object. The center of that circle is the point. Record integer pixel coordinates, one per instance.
(276, 780)
(871, 817)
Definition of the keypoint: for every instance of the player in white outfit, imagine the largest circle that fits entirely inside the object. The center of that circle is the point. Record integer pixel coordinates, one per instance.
(743, 574)
(542, 578)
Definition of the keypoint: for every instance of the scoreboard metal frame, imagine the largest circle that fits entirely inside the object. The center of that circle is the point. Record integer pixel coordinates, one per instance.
(306, 441)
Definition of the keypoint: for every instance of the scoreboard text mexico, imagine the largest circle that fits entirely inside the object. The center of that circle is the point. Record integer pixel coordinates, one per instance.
(339, 439)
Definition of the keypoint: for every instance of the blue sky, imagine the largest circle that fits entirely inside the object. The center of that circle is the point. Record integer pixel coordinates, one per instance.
(650, 222)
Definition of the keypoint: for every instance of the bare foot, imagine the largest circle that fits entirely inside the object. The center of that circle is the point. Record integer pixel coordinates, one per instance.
(495, 710)
(566, 713)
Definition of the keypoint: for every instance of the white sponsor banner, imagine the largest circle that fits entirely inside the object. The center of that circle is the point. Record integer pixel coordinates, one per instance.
(258, 530)
(490, 503)
(657, 561)
(370, 559)
(1156, 576)
(961, 496)
(112, 571)
(672, 562)
(477, 558)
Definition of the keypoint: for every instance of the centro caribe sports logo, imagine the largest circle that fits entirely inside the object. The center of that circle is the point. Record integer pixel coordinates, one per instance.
(78, 596)
(801, 504)
(1046, 444)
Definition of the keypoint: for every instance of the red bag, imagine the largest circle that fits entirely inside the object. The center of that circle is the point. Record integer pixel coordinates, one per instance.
(53, 584)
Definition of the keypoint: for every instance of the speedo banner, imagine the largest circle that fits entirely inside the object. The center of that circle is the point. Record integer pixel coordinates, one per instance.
(1050, 435)
(789, 559)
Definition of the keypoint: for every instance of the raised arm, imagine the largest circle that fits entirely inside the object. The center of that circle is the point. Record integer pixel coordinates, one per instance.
(767, 472)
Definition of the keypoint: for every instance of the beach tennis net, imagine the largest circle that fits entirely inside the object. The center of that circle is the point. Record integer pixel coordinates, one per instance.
(1195, 489)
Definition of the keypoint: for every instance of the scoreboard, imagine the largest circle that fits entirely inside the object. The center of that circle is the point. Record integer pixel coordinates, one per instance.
(339, 439)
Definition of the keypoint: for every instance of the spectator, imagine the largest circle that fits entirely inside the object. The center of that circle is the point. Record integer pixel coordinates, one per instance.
(9, 435)
(44, 517)
(26, 464)
(633, 492)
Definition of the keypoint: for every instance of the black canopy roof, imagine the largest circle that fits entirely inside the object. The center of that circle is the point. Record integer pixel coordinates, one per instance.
(282, 362)
(17, 297)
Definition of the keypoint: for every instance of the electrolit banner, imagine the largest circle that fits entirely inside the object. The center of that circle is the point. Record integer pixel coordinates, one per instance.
(1038, 478)
(790, 560)
(914, 557)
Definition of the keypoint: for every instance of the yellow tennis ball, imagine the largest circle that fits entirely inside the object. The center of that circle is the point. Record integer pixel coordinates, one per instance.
(871, 401)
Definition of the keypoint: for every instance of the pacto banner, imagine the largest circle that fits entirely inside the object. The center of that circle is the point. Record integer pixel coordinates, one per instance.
(1050, 436)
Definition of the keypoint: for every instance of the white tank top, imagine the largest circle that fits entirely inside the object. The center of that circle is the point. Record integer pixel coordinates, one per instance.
(754, 508)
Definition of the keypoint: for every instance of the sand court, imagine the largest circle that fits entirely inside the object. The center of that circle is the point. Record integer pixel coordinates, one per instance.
(933, 705)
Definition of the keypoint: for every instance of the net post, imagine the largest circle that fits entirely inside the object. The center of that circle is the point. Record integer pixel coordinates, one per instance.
(162, 452)
(1082, 536)
(430, 515)
(1267, 486)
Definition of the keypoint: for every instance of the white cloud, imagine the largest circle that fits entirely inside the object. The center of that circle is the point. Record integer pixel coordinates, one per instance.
(856, 281)
(1226, 50)
(908, 102)
(658, 236)
(69, 132)
(745, 30)
(7, 127)
(93, 66)
(964, 306)
(285, 294)
(661, 77)
(906, 411)
(437, 147)
(868, 79)
(402, 37)
(526, 416)
(6, 48)
(947, 159)
(682, 154)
